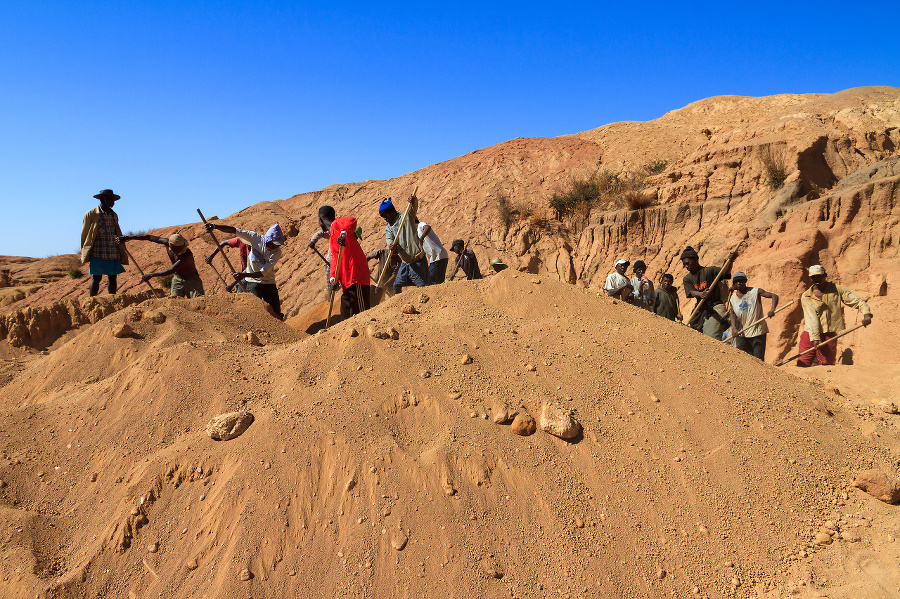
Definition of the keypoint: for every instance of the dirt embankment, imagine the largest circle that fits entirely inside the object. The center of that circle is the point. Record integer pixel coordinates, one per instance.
(374, 465)
(837, 206)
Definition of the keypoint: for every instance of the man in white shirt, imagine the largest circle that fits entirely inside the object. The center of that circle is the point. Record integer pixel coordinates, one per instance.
(434, 251)
(617, 284)
(265, 251)
(746, 308)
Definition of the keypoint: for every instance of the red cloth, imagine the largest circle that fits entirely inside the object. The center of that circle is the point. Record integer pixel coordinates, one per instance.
(354, 266)
(825, 355)
(235, 242)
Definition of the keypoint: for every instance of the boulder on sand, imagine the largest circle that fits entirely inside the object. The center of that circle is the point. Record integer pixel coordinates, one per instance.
(559, 422)
(523, 424)
(225, 427)
(879, 485)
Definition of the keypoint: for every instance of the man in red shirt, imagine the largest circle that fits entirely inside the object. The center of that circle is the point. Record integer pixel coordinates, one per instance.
(353, 275)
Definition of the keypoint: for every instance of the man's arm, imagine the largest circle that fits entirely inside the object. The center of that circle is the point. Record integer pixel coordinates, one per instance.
(425, 231)
(153, 238)
(219, 248)
(774, 297)
(852, 300)
(210, 227)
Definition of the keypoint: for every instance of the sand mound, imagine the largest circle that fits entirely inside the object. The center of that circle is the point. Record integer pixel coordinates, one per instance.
(372, 466)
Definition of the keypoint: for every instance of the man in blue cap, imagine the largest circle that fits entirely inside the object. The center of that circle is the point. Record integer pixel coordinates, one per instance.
(406, 244)
(99, 231)
(265, 251)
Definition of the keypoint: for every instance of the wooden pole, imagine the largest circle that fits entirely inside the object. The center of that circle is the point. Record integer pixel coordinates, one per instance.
(753, 324)
(724, 269)
(224, 255)
(393, 245)
(130, 257)
(835, 338)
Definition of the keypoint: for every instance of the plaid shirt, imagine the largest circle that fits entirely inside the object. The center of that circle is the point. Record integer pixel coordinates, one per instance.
(105, 247)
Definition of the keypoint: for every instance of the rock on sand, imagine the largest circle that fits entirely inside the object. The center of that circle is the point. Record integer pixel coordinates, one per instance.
(523, 424)
(878, 484)
(225, 427)
(559, 422)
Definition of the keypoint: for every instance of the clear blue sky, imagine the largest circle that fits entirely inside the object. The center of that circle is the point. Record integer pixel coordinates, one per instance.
(219, 105)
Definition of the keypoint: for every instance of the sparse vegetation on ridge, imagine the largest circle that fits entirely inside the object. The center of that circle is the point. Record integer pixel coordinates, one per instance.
(775, 166)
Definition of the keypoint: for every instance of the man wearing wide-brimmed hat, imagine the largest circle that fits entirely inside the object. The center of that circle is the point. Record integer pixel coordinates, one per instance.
(823, 316)
(99, 231)
(185, 278)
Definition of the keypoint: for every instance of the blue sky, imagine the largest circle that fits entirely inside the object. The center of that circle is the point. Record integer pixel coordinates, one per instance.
(219, 105)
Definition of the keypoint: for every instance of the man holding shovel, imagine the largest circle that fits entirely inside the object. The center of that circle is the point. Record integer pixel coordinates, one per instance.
(351, 270)
(404, 242)
(259, 274)
(241, 247)
(823, 317)
(185, 278)
(699, 283)
(746, 309)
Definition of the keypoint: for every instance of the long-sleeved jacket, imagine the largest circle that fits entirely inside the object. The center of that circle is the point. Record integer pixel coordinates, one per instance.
(826, 315)
(90, 227)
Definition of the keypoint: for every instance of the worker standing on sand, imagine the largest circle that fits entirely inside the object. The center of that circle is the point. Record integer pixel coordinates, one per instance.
(665, 299)
(823, 316)
(242, 248)
(405, 243)
(265, 251)
(713, 318)
(746, 308)
(326, 214)
(392, 263)
(643, 287)
(186, 280)
(99, 231)
(617, 284)
(434, 251)
(351, 273)
(466, 260)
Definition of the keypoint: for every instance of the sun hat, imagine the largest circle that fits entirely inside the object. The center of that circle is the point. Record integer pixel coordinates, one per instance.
(457, 242)
(177, 240)
(622, 261)
(739, 275)
(817, 269)
(497, 264)
(107, 193)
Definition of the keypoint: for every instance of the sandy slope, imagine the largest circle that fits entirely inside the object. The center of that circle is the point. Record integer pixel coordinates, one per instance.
(699, 467)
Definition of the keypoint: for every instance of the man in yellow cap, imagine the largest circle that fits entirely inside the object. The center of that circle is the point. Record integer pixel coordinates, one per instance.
(823, 316)
(186, 280)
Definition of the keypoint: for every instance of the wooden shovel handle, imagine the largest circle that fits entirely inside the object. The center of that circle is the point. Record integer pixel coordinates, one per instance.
(224, 255)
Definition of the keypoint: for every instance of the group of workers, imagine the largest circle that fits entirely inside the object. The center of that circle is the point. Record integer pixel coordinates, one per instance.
(414, 255)
(734, 311)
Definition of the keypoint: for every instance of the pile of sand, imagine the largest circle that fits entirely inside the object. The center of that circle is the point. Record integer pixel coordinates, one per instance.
(374, 467)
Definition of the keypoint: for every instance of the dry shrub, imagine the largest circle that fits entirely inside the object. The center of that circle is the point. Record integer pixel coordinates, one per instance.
(75, 273)
(511, 212)
(775, 168)
(655, 166)
(635, 199)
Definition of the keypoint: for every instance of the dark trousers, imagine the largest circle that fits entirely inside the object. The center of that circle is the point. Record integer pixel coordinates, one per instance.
(267, 292)
(755, 346)
(355, 299)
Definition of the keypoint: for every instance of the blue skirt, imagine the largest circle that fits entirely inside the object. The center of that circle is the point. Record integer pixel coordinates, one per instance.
(105, 267)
